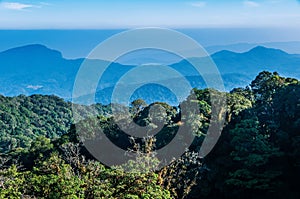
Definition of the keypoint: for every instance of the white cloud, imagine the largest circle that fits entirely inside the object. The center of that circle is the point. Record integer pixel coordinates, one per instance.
(16, 6)
(45, 4)
(34, 87)
(198, 4)
(251, 4)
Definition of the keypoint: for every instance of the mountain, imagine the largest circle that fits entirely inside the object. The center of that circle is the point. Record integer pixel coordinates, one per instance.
(258, 59)
(291, 47)
(139, 57)
(36, 69)
(248, 63)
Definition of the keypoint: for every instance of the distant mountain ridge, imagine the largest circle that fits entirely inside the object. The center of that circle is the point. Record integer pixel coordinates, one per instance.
(36, 69)
(291, 47)
(258, 59)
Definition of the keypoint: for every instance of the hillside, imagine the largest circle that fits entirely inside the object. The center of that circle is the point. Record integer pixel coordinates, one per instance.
(35, 69)
(44, 154)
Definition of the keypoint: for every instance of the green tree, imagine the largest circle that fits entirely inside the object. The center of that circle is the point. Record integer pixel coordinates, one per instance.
(252, 154)
(138, 105)
(265, 86)
(54, 178)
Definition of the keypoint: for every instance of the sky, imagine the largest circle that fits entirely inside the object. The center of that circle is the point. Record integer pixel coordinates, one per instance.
(99, 14)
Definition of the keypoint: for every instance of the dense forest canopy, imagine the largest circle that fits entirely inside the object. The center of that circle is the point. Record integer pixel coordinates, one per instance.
(257, 155)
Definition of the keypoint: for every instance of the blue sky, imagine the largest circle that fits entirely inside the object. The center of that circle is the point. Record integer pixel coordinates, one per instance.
(98, 14)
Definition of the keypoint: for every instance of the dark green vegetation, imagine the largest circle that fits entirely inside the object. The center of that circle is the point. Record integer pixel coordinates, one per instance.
(23, 119)
(257, 155)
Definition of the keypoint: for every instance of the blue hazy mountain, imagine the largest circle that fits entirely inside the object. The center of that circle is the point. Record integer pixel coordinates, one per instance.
(37, 69)
(79, 43)
(237, 69)
(292, 47)
(258, 59)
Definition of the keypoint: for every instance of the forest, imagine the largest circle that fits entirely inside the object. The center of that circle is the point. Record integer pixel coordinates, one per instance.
(256, 156)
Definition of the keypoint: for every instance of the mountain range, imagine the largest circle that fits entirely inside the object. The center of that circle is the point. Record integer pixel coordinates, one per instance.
(36, 69)
(291, 47)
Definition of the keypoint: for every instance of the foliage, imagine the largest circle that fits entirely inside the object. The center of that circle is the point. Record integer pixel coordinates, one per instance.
(257, 155)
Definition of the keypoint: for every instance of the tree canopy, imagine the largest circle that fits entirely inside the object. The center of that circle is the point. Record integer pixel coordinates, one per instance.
(257, 155)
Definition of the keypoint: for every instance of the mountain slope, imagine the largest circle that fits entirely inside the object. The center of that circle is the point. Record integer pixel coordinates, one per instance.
(249, 63)
(36, 69)
(291, 47)
(258, 59)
